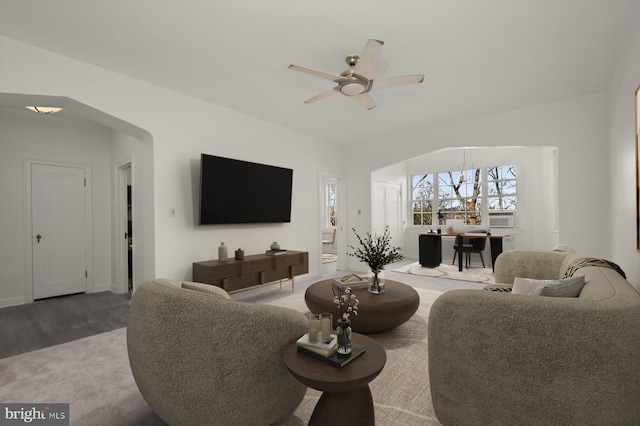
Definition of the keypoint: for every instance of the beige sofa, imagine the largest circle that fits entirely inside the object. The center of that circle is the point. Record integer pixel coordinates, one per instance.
(498, 358)
(199, 358)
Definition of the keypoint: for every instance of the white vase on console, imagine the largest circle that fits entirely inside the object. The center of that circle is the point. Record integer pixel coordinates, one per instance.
(222, 252)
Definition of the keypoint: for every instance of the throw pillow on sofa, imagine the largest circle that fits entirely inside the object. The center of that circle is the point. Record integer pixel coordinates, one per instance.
(567, 287)
(527, 285)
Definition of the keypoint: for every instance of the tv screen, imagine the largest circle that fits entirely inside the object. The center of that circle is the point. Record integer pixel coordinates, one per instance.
(235, 191)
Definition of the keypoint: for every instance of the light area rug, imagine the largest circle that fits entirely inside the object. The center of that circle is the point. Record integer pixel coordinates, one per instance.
(93, 375)
(478, 275)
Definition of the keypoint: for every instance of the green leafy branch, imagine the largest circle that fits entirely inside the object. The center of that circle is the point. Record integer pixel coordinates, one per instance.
(376, 250)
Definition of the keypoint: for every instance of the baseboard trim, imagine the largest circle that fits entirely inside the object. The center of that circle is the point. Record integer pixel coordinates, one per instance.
(99, 288)
(12, 301)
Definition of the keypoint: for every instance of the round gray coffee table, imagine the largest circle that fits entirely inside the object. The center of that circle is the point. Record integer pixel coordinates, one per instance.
(377, 313)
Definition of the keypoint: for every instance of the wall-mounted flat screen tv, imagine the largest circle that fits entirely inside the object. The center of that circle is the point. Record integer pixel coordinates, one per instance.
(235, 191)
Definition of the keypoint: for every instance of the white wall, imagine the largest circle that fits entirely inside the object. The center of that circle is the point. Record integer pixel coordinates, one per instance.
(181, 128)
(575, 126)
(27, 136)
(621, 217)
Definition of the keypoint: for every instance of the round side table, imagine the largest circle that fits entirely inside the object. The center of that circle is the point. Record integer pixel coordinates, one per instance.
(346, 397)
(377, 313)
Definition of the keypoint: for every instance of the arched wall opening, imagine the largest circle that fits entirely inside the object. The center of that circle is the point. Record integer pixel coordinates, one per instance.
(537, 225)
(79, 135)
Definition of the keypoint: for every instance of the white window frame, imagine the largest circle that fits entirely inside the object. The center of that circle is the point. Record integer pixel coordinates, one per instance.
(483, 198)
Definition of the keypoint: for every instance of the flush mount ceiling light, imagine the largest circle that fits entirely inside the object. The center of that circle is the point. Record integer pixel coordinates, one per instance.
(43, 109)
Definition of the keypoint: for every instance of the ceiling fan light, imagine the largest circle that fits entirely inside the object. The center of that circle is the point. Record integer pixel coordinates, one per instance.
(352, 89)
(43, 109)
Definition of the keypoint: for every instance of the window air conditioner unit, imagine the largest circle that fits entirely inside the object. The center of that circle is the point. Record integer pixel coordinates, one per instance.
(502, 219)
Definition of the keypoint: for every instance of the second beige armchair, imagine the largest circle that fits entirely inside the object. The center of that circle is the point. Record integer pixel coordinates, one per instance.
(200, 358)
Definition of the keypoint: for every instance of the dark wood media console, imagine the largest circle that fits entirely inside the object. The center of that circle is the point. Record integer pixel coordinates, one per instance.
(260, 269)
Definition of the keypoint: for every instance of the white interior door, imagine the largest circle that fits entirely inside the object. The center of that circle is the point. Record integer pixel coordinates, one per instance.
(387, 210)
(59, 230)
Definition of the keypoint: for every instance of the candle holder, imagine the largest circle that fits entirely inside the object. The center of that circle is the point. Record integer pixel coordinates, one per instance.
(326, 325)
(314, 327)
(320, 327)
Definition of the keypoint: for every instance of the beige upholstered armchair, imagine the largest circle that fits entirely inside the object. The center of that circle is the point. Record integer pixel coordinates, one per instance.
(498, 358)
(200, 358)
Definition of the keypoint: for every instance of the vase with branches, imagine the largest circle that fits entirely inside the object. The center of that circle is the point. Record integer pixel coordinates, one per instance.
(376, 251)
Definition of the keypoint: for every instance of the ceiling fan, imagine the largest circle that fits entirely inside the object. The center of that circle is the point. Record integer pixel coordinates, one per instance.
(357, 81)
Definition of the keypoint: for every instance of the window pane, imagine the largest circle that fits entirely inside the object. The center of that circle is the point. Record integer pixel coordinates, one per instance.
(502, 203)
(422, 191)
(502, 187)
(502, 172)
(332, 194)
(459, 194)
(507, 187)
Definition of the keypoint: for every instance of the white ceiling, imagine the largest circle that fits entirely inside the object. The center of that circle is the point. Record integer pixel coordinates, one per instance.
(478, 57)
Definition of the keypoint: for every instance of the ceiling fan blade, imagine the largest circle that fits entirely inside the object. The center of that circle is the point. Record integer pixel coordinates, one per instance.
(365, 100)
(401, 80)
(322, 96)
(368, 61)
(321, 74)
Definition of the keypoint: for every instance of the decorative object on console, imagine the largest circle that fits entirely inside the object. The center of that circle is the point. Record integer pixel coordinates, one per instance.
(222, 252)
(276, 252)
(239, 254)
(274, 246)
(376, 251)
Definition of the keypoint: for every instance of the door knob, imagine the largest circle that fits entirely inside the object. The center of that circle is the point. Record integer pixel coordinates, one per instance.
(38, 237)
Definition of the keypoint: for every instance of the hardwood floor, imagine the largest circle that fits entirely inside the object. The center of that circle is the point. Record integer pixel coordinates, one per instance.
(60, 319)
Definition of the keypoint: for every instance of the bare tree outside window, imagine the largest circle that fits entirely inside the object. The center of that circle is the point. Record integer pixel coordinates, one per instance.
(460, 194)
(422, 199)
(501, 184)
(331, 204)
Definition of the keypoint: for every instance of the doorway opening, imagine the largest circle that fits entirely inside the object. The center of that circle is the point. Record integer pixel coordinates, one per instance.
(124, 229)
(331, 223)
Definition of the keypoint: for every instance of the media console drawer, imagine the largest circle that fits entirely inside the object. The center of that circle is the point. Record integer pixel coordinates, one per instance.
(234, 275)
